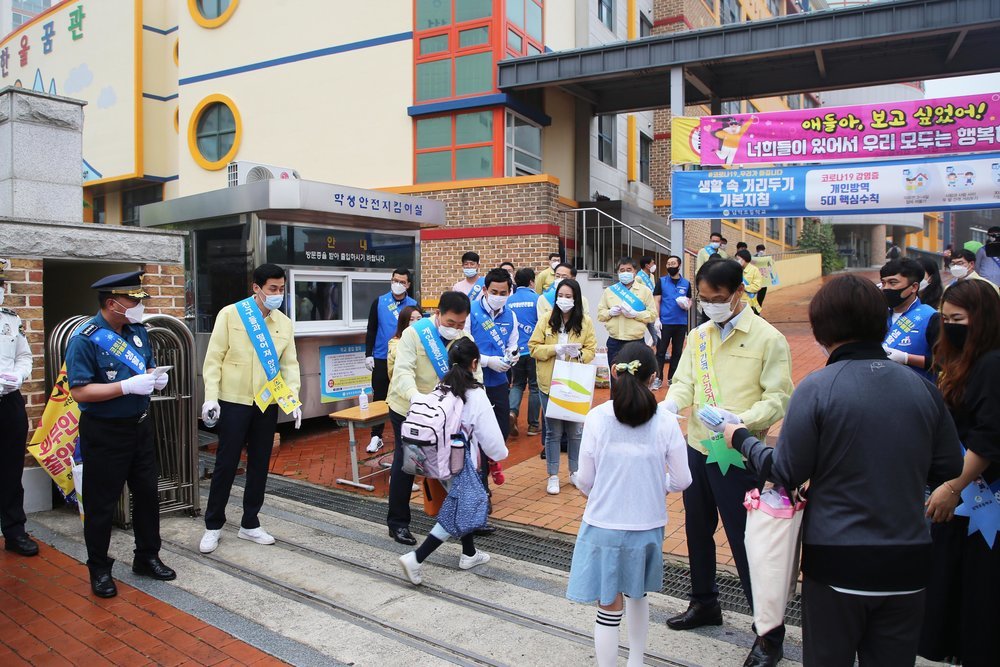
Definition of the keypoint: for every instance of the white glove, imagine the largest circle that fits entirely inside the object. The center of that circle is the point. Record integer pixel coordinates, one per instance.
(161, 381)
(898, 356)
(297, 416)
(684, 302)
(564, 351)
(628, 312)
(140, 385)
(727, 418)
(210, 411)
(658, 325)
(496, 363)
(370, 363)
(671, 406)
(615, 311)
(513, 356)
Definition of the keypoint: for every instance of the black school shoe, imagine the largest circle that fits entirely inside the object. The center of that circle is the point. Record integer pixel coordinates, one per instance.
(22, 545)
(403, 536)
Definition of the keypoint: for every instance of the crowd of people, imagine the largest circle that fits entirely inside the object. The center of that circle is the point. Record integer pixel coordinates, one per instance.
(884, 442)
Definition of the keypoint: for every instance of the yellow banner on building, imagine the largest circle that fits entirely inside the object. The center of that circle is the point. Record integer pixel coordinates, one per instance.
(57, 436)
(685, 140)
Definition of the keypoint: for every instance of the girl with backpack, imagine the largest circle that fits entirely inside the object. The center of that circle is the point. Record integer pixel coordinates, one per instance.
(480, 427)
(633, 453)
(568, 334)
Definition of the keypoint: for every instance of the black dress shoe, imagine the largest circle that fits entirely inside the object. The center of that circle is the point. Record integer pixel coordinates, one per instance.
(403, 536)
(488, 529)
(697, 615)
(22, 544)
(103, 584)
(154, 568)
(765, 653)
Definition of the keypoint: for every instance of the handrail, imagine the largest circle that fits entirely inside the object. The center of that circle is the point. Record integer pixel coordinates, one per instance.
(646, 232)
(601, 238)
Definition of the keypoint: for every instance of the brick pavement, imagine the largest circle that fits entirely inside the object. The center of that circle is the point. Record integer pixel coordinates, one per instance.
(49, 617)
(320, 455)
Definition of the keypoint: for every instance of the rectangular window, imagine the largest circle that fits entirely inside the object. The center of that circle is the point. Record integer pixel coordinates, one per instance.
(473, 37)
(222, 271)
(474, 128)
(514, 41)
(645, 148)
(429, 45)
(474, 162)
(433, 167)
(133, 199)
(515, 12)
(434, 132)
(534, 20)
(606, 13)
(729, 12)
(732, 108)
(775, 7)
(434, 80)
(791, 229)
(606, 139)
(645, 26)
(474, 73)
(99, 207)
(524, 146)
(753, 225)
(455, 147)
(433, 14)
(774, 228)
(470, 10)
(794, 101)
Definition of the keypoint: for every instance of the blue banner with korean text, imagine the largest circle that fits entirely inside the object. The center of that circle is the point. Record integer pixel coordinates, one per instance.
(898, 186)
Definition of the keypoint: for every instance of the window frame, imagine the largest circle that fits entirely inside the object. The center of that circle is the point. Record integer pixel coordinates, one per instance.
(193, 123)
(645, 25)
(611, 139)
(454, 51)
(606, 13)
(645, 165)
(453, 147)
(211, 23)
(351, 321)
(134, 222)
(522, 32)
(731, 5)
(510, 149)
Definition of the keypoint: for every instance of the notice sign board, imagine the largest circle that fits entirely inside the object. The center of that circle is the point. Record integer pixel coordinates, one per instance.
(343, 372)
(337, 248)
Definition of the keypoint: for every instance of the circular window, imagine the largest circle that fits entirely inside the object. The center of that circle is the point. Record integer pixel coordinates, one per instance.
(211, 13)
(214, 132)
(177, 52)
(177, 119)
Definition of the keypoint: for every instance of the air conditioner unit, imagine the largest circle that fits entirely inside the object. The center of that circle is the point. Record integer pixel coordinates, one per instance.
(241, 172)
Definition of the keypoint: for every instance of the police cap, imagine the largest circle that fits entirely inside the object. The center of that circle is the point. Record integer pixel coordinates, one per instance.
(127, 284)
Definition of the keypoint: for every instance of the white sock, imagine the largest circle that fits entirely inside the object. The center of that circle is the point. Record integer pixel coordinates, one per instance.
(606, 637)
(637, 620)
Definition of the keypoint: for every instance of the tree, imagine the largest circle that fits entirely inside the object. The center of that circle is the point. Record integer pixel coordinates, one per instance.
(819, 238)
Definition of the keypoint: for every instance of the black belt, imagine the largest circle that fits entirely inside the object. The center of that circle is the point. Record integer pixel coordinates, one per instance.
(138, 419)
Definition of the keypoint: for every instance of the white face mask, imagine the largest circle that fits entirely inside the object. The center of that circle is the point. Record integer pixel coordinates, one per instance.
(555, 283)
(652, 269)
(470, 273)
(399, 289)
(564, 304)
(923, 284)
(717, 312)
(554, 263)
(626, 278)
(496, 301)
(133, 314)
(959, 271)
(449, 333)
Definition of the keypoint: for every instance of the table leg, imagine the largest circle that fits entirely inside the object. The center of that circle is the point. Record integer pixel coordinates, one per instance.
(353, 444)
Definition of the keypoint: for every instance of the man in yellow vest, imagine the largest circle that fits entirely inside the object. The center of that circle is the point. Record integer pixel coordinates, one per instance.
(742, 365)
(545, 277)
(625, 308)
(753, 280)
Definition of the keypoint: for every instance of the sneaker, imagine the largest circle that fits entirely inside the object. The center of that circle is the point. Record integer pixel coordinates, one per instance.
(657, 384)
(258, 535)
(534, 429)
(375, 445)
(573, 479)
(469, 562)
(411, 568)
(552, 488)
(210, 541)
(513, 426)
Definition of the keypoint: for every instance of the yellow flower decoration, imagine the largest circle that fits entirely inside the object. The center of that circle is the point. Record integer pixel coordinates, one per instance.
(630, 367)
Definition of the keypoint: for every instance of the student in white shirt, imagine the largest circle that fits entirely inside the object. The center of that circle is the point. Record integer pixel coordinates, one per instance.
(632, 455)
(480, 426)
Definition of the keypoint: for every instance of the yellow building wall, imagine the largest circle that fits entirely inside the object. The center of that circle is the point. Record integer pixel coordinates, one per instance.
(558, 141)
(339, 118)
(159, 87)
(797, 270)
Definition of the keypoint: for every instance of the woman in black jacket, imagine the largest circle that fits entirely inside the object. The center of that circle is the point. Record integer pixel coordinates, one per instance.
(867, 434)
(962, 616)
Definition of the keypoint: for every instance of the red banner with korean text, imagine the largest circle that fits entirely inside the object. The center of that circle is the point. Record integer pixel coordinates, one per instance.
(917, 128)
(57, 436)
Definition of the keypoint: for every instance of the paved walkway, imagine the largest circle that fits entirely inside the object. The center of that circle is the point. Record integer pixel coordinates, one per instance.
(320, 456)
(49, 617)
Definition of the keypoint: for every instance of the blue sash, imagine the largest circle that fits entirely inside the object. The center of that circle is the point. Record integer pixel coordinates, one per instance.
(116, 346)
(550, 296)
(749, 293)
(908, 322)
(477, 289)
(433, 345)
(626, 295)
(646, 280)
(489, 326)
(260, 337)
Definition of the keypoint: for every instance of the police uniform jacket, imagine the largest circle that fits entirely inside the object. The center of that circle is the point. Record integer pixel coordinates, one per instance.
(15, 355)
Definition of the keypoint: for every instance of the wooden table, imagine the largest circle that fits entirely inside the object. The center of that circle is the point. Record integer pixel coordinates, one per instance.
(376, 413)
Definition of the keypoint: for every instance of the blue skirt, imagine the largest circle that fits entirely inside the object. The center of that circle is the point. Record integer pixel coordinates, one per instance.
(608, 562)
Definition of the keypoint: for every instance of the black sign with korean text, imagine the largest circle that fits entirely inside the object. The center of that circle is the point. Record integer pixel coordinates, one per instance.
(335, 248)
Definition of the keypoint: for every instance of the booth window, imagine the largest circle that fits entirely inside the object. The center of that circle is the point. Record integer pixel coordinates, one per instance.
(223, 265)
(524, 146)
(214, 132)
(133, 199)
(211, 13)
(606, 139)
(454, 147)
(318, 298)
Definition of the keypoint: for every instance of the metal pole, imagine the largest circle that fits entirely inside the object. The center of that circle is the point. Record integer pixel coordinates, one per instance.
(677, 109)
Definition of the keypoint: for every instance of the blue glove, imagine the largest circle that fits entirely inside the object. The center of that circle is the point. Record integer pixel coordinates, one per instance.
(715, 419)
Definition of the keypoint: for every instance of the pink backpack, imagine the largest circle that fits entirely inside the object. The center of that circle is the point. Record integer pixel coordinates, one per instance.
(427, 434)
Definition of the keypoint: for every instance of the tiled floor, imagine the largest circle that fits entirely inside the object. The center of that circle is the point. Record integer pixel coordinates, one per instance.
(48, 616)
(320, 455)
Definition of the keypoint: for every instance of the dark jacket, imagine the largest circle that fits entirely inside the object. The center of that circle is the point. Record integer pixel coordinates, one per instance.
(869, 435)
(977, 418)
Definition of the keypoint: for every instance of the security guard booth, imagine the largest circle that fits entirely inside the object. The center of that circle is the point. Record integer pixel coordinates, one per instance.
(339, 246)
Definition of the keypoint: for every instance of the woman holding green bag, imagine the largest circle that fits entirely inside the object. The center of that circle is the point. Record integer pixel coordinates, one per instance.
(568, 335)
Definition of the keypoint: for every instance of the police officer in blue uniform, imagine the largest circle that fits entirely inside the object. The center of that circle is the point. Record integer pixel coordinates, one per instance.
(15, 368)
(913, 326)
(109, 365)
(382, 320)
(675, 300)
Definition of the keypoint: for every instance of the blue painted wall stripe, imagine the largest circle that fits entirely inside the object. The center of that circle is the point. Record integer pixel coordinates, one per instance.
(159, 31)
(151, 96)
(161, 179)
(308, 55)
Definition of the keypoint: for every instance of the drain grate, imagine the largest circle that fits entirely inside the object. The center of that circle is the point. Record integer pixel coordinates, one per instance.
(520, 544)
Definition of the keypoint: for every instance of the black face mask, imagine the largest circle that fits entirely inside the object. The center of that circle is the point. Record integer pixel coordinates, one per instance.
(894, 297)
(956, 334)
(673, 270)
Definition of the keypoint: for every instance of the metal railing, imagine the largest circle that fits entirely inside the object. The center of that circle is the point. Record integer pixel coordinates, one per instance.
(602, 238)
